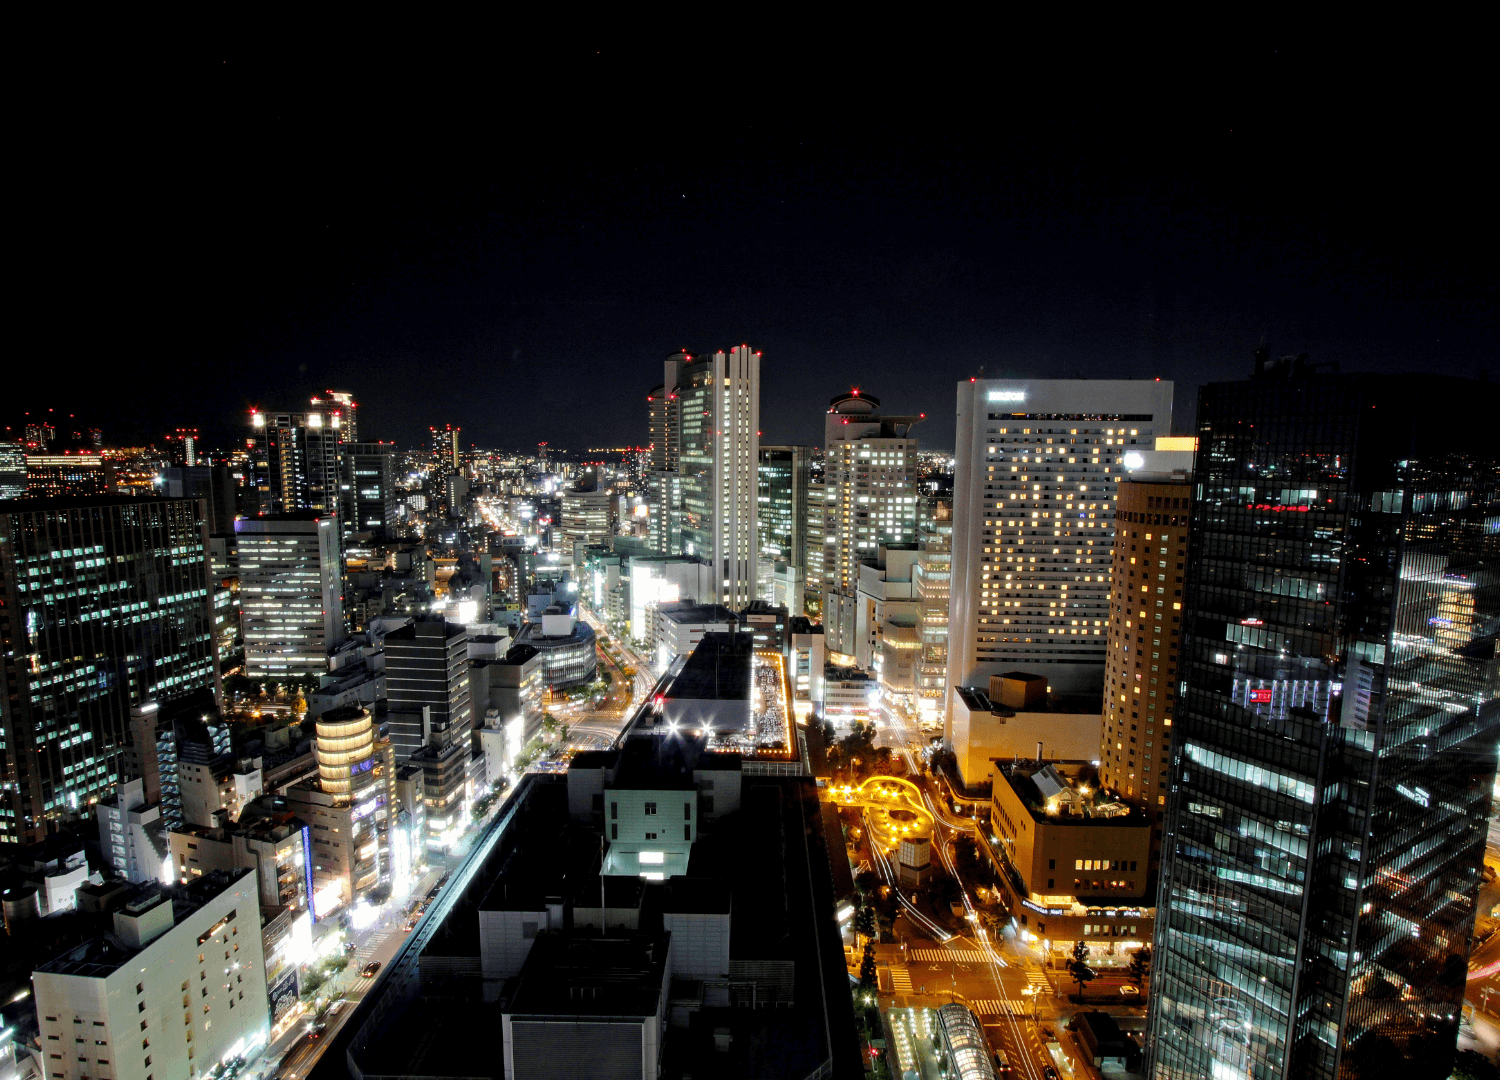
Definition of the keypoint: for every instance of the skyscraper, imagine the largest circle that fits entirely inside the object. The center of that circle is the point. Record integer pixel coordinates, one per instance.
(294, 461)
(182, 447)
(1036, 465)
(432, 716)
(341, 404)
(781, 516)
(444, 447)
(1335, 741)
(717, 447)
(12, 470)
(290, 600)
(663, 482)
(869, 498)
(931, 579)
(370, 487)
(104, 606)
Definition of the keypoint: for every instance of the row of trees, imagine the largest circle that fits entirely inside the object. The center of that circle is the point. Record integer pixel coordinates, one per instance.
(1078, 967)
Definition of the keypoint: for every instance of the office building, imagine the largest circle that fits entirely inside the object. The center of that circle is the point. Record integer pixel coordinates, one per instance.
(341, 404)
(432, 717)
(1037, 463)
(704, 503)
(567, 646)
(274, 845)
(588, 518)
(294, 461)
(653, 912)
(1333, 749)
(68, 475)
(131, 836)
(662, 480)
(182, 447)
(12, 470)
(781, 516)
(1071, 859)
(1018, 716)
(346, 809)
(104, 605)
(214, 484)
(370, 496)
(930, 580)
(816, 550)
(1144, 648)
(112, 1007)
(291, 603)
(869, 499)
(427, 686)
(444, 442)
(886, 639)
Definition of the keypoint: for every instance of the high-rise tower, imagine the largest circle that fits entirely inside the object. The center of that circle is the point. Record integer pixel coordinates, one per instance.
(1036, 465)
(705, 503)
(294, 460)
(869, 499)
(1334, 743)
(104, 607)
(291, 602)
(781, 516)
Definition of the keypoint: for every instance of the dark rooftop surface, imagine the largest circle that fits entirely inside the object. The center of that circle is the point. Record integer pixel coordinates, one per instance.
(697, 613)
(1062, 704)
(667, 761)
(717, 670)
(586, 975)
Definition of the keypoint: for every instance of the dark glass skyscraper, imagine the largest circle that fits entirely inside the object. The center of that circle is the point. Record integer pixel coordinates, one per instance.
(104, 605)
(1335, 741)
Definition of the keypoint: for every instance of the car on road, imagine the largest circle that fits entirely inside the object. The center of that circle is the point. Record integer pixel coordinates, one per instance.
(316, 1031)
(411, 925)
(370, 969)
(1049, 1072)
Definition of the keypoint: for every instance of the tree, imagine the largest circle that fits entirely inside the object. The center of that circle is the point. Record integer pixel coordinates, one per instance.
(867, 968)
(1082, 973)
(1140, 964)
(864, 921)
(1472, 1065)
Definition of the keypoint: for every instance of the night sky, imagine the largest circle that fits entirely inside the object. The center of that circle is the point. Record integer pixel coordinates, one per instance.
(515, 254)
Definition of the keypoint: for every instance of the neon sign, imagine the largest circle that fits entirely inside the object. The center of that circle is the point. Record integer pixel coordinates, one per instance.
(1007, 395)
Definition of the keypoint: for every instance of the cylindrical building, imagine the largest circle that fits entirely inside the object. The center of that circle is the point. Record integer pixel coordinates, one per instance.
(345, 751)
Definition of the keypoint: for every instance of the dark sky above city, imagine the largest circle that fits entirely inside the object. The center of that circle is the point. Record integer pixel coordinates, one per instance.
(516, 253)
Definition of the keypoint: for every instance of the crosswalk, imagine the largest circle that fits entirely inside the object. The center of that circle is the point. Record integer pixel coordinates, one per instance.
(991, 1007)
(900, 979)
(1038, 981)
(951, 956)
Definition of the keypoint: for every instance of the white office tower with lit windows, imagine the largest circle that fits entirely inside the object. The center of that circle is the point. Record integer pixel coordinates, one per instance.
(112, 1006)
(291, 603)
(869, 499)
(704, 483)
(1037, 465)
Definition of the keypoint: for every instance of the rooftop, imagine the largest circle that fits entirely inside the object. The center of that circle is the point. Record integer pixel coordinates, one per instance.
(976, 700)
(101, 956)
(1067, 793)
(718, 669)
(582, 974)
(684, 612)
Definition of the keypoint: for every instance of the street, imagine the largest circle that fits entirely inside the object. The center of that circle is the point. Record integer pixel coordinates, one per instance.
(1023, 1008)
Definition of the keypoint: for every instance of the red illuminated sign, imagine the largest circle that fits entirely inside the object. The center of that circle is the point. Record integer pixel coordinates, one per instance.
(1261, 696)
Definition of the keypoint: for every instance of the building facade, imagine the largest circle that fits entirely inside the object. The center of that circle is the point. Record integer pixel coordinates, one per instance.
(869, 499)
(1036, 466)
(104, 606)
(115, 1006)
(781, 516)
(704, 503)
(1334, 743)
(370, 488)
(294, 461)
(291, 599)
